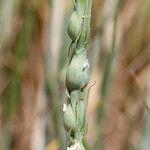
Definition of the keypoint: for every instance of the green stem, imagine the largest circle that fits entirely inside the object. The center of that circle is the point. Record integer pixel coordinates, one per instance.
(106, 81)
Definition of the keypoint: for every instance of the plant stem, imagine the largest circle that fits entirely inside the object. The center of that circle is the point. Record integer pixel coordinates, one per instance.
(107, 77)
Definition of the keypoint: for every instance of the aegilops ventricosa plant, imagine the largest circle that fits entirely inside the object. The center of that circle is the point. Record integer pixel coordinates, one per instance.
(77, 76)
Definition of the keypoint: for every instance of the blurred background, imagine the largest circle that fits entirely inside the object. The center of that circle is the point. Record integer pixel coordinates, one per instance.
(33, 54)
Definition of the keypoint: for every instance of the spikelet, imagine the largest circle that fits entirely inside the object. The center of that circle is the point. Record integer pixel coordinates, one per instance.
(78, 72)
(69, 119)
(74, 26)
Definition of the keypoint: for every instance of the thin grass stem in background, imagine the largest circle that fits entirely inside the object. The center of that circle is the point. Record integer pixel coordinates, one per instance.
(106, 81)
